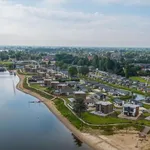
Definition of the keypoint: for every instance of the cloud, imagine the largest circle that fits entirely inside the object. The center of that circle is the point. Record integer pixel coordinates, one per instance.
(124, 2)
(31, 25)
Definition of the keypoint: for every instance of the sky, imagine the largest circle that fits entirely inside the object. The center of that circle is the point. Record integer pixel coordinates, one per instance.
(112, 23)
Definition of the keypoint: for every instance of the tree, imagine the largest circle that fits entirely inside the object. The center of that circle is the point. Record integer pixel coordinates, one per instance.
(72, 71)
(84, 70)
(95, 61)
(80, 62)
(77, 141)
(126, 71)
(10, 66)
(49, 62)
(79, 106)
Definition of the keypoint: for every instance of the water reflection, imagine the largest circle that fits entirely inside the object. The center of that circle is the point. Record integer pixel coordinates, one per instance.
(77, 141)
(26, 126)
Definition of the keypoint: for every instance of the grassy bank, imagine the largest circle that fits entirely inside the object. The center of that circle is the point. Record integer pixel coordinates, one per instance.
(38, 86)
(25, 85)
(26, 73)
(68, 114)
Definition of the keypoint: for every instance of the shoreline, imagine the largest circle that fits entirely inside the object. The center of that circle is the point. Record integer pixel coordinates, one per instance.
(51, 106)
(95, 142)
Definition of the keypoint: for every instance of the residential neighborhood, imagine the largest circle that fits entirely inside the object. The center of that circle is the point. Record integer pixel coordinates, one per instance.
(90, 97)
(100, 98)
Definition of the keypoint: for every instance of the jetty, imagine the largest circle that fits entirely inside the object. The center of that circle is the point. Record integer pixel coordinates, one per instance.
(35, 101)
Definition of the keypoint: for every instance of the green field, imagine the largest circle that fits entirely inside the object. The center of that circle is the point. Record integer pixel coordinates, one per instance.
(68, 114)
(140, 79)
(94, 119)
(5, 63)
(37, 86)
(146, 106)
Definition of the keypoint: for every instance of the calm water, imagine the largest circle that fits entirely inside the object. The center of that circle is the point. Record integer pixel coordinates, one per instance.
(26, 126)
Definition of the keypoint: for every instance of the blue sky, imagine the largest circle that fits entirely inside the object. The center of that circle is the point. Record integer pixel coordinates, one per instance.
(75, 22)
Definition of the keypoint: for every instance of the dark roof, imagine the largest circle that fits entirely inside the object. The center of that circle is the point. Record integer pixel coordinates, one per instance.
(67, 90)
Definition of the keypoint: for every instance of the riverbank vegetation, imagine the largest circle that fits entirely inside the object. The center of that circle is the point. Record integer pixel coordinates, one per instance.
(43, 94)
(25, 73)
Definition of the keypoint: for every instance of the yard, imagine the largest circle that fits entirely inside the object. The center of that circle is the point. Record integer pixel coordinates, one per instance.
(146, 106)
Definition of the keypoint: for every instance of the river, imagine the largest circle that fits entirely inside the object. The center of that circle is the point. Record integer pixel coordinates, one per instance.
(27, 126)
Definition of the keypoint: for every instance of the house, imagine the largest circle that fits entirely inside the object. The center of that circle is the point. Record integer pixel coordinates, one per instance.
(72, 83)
(58, 76)
(66, 91)
(147, 100)
(99, 96)
(47, 82)
(131, 110)
(122, 92)
(136, 102)
(64, 73)
(61, 86)
(42, 74)
(83, 88)
(113, 92)
(71, 102)
(104, 88)
(118, 102)
(43, 69)
(80, 94)
(37, 79)
(90, 101)
(54, 84)
(29, 68)
(104, 107)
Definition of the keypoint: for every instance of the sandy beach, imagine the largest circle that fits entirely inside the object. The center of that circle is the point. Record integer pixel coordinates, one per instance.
(96, 142)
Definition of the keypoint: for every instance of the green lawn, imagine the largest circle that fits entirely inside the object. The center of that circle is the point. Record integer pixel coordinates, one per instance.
(140, 79)
(91, 118)
(5, 63)
(146, 114)
(37, 86)
(40, 92)
(146, 106)
(68, 114)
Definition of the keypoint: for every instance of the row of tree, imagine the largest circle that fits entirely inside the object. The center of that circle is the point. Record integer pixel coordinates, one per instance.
(73, 71)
